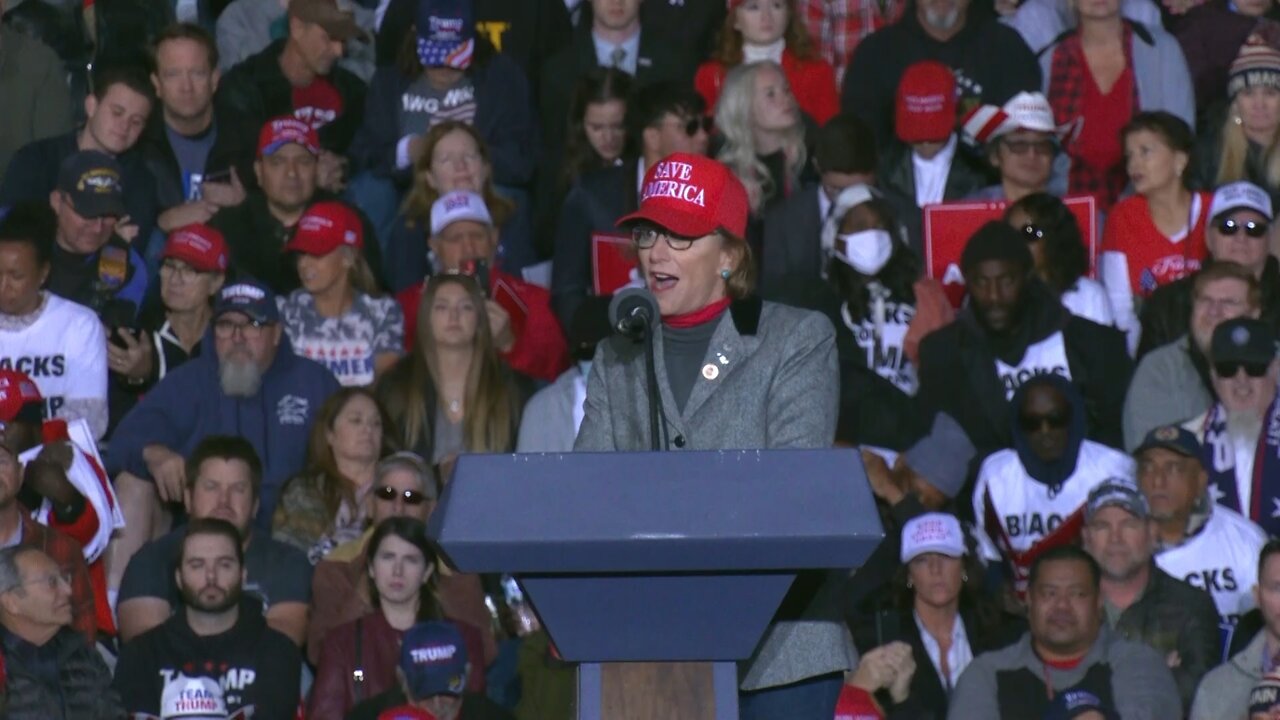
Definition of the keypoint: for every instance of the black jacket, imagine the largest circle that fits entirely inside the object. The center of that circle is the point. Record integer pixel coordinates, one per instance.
(257, 667)
(158, 157)
(593, 205)
(898, 180)
(1166, 315)
(991, 62)
(958, 372)
(792, 241)
(81, 689)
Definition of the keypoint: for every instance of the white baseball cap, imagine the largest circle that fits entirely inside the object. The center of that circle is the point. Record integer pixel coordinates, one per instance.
(932, 533)
(1240, 196)
(1024, 111)
(192, 698)
(457, 206)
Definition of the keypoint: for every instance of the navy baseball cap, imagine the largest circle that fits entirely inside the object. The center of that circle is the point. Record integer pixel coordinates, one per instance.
(93, 181)
(1074, 703)
(1117, 492)
(1243, 340)
(446, 33)
(1172, 438)
(433, 658)
(249, 297)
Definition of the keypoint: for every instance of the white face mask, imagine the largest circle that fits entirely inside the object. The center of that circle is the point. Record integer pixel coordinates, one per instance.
(867, 251)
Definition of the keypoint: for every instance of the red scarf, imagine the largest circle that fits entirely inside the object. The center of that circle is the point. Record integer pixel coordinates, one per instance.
(697, 317)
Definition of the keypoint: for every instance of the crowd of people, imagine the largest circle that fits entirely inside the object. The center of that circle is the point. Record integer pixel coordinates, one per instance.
(268, 268)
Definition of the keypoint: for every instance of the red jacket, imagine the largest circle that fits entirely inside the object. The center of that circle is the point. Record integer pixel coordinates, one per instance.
(540, 350)
(813, 82)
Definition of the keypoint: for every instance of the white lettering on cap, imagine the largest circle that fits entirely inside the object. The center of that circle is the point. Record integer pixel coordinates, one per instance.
(247, 292)
(314, 223)
(925, 103)
(453, 25)
(433, 654)
(671, 178)
(189, 238)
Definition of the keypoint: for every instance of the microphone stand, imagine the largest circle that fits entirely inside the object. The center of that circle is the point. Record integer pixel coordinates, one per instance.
(655, 395)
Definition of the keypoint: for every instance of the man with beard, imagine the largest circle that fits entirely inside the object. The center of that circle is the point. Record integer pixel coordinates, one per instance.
(1172, 382)
(217, 632)
(1142, 602)
(1031, 497)
(1068, 648)
(252, 385)
(1015, 329)
(1240, 433)
(224, 478)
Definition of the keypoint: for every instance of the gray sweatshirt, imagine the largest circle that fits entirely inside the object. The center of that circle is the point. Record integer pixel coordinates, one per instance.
(1224, 692)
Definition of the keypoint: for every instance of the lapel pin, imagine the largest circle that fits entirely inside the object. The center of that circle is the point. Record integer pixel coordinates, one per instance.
(710, 371)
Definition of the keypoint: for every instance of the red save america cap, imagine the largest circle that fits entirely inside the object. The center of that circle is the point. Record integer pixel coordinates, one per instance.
(325, 227)
(200, 246)
(16, 390)
(692, 196)
(284, 130)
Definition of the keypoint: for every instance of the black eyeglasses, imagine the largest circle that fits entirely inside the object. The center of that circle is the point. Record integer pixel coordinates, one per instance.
(410, 497)
(1251, 228)
(1229, 369)
(1033, 423)
(1032, 233)
(226, 328)
(646, 236)
(693, 125)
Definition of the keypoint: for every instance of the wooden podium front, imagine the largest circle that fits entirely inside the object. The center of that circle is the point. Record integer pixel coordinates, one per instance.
(658, 691)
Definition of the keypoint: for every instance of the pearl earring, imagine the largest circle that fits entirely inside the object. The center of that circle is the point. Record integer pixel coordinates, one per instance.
(725, 274)
(1237, 120)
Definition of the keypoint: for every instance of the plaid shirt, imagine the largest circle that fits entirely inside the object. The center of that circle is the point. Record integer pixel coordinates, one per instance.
(837, 26)
(70, 557)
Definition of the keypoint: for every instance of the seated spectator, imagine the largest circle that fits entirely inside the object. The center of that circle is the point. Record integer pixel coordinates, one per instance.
(257, 229)
(1020, 140)
(193, 268)
(116, 110)
(1244, 369)
(451, 394)
(1172, 381)
(763, 135)
(551, 419)
(1068, 648)
(50, 670)
(1264, 700)
(252, 385)
(327, 505)
(756, 30)
(297, 76)
(404, 486)
(518, 314)
(992, 59)
(1013, 329)
(217, 633)
(35, 91)
(224, 480)
(1143, 602)
(662, 119)
(1099, 77)
(58, 343)
(844, 155)
(453, 158)
(186, 147)
(357, 660)
(1243, 145)
(1210, 546)
(1031, 497)
(339, 317)
(938, 609)
(1225, 691)
(1239, 231)
(927, 166)
(1157, 235)
(1212, 35)
(1061, 259)
(42, 477)
(433, 662)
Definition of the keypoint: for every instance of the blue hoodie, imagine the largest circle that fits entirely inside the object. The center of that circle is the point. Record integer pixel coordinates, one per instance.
(188, 405)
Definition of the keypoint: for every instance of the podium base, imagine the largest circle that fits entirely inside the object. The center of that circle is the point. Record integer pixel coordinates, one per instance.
(658, 691)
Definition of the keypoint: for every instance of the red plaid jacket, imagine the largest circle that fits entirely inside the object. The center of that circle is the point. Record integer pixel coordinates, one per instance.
(837, 26)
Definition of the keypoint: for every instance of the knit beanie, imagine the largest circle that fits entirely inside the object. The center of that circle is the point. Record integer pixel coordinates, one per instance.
(1257, 65)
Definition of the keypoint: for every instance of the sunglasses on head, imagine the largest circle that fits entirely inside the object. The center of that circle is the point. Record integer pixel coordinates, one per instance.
(1034, 423)
(1031, 233)
(693, 125)
(410, 497)
(1229, 369)
(1253, 229)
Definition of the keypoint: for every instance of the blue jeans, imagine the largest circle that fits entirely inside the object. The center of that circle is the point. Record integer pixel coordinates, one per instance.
(812, 699)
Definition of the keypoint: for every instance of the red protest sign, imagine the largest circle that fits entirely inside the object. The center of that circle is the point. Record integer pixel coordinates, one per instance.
(612, 260)
(948, 227)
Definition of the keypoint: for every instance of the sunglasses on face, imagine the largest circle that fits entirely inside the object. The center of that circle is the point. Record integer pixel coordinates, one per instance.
(1040, 147)
(1031, 233)
(693, 125)
(1034, 423)
(1229, 369)
(1251, 228)
(410, 497)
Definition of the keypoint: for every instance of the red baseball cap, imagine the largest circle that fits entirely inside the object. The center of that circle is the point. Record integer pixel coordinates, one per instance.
(16, 390)
(325, 227)
(280, 131)
(692, 195)
(926, 105)
(199, 246)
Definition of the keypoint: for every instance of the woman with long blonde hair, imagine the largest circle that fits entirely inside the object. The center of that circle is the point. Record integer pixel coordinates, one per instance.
(1247, 147)
(452, 394)
(763, 132)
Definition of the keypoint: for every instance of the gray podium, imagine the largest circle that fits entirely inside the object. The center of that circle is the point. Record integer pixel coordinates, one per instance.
(657, 571)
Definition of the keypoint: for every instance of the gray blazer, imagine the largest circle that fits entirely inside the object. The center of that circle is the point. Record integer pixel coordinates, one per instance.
(776, 385)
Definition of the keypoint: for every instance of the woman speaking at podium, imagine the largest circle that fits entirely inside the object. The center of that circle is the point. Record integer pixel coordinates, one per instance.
(733, 372)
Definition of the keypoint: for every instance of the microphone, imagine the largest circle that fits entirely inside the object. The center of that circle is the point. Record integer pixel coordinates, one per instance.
(632, 312)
